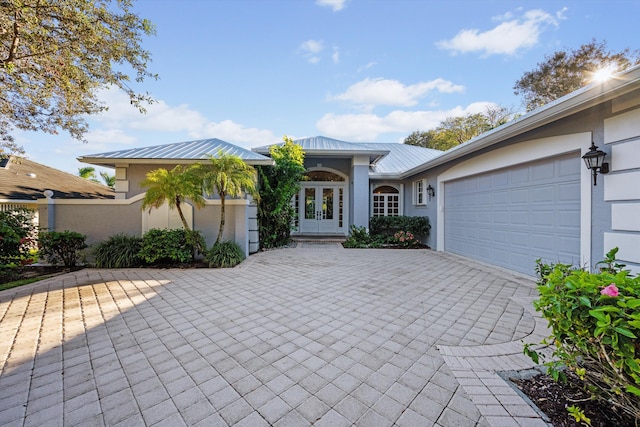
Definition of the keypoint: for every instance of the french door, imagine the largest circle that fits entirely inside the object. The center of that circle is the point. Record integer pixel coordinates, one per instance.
(320, 211)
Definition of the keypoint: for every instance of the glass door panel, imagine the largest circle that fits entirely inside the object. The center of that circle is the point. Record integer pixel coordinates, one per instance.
(310, 203)
(327, 203)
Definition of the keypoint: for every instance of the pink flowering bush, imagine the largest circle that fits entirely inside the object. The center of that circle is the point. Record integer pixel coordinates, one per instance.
(595, 323)
(405, 239)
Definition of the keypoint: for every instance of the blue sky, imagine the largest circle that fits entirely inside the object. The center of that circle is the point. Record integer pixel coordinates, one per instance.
(251, 71)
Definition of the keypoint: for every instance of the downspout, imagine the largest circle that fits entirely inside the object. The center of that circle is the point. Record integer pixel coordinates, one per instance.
(51, 214)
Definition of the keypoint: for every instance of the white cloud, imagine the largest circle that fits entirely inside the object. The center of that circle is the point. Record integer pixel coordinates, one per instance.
(336, 5)
(311, 50)
(368, 126)
(335, 57)
(508, 38)
(162, 117)
(367, 66)
(391, 92)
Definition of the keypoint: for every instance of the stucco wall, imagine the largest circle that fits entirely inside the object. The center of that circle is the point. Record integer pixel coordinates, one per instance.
(621, 186)
(136, 174)
(99, 219)
(430, 209)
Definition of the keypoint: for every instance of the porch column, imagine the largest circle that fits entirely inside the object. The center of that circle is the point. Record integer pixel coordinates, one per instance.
(360, 191)
(241, 231)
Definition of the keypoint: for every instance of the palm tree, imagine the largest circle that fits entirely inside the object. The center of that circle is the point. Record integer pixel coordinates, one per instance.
(88, 172)
(228, 175)
(174, 187)
(109, 180)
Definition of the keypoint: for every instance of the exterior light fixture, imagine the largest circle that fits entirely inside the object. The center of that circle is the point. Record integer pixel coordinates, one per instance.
(430, 191)
(594, 160)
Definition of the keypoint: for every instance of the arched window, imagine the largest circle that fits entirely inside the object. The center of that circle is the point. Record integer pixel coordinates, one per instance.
(323, 176)
(386, 201)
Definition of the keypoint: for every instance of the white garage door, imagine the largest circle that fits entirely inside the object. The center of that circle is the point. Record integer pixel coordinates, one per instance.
(511, 217)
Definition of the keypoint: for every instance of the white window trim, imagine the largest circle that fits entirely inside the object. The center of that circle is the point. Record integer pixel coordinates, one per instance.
(399, 187)
(420, 194)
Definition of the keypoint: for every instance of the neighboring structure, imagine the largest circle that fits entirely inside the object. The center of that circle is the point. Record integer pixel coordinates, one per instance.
(23, 184)
(99, 220)
(512, 195)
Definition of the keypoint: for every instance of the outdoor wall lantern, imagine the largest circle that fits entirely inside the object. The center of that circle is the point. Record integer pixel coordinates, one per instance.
(430, 191)
(594, 160)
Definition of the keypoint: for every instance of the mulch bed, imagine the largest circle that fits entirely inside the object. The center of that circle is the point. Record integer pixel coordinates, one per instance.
(30, 271)
(553, 398)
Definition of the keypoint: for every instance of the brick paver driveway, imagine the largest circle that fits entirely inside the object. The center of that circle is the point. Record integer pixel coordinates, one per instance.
(314, 335)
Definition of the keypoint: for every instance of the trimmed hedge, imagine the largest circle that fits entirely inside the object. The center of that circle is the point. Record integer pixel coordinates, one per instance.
(390, 225)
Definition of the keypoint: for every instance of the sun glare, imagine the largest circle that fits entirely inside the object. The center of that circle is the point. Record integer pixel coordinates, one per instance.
(603, 74)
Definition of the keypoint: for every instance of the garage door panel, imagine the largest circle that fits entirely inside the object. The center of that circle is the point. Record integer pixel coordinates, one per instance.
(501, 179)
(519, 196)
(543, 194)
(499, 198)
(543, 242)
(512, 217)
(568, 167)
(519, 218)
(569, 221)
(519, 175)
(544, 171)
(568, 192)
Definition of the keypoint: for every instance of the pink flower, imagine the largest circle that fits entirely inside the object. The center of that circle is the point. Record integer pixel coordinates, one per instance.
(610, 291)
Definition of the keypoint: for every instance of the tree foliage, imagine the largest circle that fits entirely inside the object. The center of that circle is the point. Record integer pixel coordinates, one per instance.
(174, 187)
(454, 131)
(278, 184)
(566, 71)
(17, 234)
(108, 179)
(88, 172)
(228, 175)
(55, 55)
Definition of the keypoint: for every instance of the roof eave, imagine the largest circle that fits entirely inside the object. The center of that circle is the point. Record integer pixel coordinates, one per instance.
(580, 100)
(113, 163)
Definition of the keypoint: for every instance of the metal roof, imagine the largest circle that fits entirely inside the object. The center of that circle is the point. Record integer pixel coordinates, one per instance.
(321, 145)
(177, 152)
(401, 158)
(386, 159)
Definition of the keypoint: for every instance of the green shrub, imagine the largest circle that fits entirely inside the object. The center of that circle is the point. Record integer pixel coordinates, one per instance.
(118, 251)
(17, 236)
(359, 238)
(389, 225)
(406, 239)
(595, 322)
(225, 254)
(171, 246)
(63, 246)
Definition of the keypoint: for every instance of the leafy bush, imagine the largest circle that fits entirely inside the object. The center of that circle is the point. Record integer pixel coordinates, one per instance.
(405, 239)
(278, 184)
(595, 322)
(225, 254)
(17, 236)
(119, 251)
(359, 238)
(389, 225)
(63, 246)
(171, 246)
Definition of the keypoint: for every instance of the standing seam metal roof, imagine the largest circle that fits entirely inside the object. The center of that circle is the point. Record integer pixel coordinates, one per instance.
(188, 150)
(401, 157)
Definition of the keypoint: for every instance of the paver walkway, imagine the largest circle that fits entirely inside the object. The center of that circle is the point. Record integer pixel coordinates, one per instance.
(313, 335)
